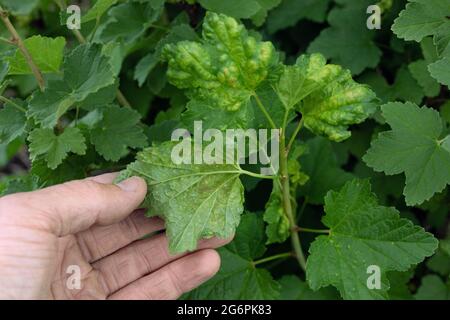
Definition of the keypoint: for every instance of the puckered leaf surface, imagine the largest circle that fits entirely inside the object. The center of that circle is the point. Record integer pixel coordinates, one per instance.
(363, 234)
(333, 99)
(196, 200)
(224, 68)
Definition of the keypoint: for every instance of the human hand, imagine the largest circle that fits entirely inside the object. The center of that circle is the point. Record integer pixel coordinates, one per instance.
(87, 224)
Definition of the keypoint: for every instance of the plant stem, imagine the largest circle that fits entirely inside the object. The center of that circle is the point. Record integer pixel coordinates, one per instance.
(3, 39)
(15, 105)
(274, 257)
(257, 175)
(287, 204)
(122, 100)
(264, 111)
(17, 40)
(301, 229)
(294, 135)
(302, 209)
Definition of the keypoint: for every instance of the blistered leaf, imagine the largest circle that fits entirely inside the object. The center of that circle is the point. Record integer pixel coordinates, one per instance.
(196, 200)
(335, 100)
(363, 234)
(224, 68)
(278, 227)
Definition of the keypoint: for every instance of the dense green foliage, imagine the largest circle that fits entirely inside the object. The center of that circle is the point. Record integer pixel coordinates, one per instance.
(364, 144)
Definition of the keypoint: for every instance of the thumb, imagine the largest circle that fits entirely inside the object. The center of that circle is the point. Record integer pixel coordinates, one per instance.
(77, 205)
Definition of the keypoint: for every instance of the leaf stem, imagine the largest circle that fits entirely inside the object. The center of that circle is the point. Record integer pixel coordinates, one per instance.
(3, 39)
(302, 209)
(264, 110)
(301, 229)
(15, 105)
(287, 204)
(257, 175)
(274, 257)
(294, 135)
(17, 40)
(122, 100)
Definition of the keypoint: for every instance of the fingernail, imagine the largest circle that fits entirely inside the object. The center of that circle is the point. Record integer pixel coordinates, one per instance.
(131, 184)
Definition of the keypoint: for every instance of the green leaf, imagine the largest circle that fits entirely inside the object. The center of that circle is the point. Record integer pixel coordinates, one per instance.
(15, 184)
(433, 288)
(22, 7)
(324, 175)
(399, 281)
(97, 11)
(363, 233)
(404, 88)
(420, 72)
(86, 71)
(238, 278)
(54, 149)
(265, 6)
(196, 200)
(233, 8)
(440, 70)
(278, 227)
(337, 102)
(12, 121)
(47, 54)
(412, 147)
(129, 21)
(117, 131)
(292, 288)
(291, 11)
(440, 262)
(177, 33)
(421, 18)
(348, 41)
(225, 68)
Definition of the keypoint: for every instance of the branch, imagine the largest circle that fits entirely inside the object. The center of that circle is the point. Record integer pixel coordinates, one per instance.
(287, 204)
(17, 40)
